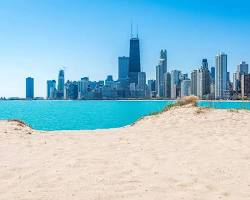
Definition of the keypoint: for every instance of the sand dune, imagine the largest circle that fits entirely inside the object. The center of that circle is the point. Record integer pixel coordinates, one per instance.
(186, 153)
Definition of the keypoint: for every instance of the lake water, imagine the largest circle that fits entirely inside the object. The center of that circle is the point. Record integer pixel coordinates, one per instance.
(78, 115)
(226, 104)
(89, 115)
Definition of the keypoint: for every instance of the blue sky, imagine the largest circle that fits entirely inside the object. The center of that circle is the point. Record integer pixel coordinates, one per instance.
(38, 37)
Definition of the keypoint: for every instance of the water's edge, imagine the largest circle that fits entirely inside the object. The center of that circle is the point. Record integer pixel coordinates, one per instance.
(92, 115)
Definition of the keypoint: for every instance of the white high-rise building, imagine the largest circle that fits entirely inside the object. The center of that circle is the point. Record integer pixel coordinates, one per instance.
(221, 76)
(161, 69)
(159, 81)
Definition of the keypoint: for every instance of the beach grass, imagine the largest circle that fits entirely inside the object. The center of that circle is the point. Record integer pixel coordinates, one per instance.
(189, 100)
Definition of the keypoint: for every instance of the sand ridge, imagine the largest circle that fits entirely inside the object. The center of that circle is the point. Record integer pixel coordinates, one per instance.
(185, 153)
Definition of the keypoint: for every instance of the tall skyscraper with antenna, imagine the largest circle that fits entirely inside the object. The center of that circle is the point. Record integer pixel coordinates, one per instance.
(134, 58)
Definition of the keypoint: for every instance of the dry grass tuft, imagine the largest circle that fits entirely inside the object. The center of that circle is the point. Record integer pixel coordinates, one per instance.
(201, 110)
(19, 123)
(187, 100)
(190, 100)
(233, 110)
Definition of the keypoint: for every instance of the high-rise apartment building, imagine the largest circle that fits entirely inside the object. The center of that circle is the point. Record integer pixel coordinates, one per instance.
(29, 88)
(84, 86)
(194, 75)
(141, 86)
(51, 89)
(242, 69)
(123, 68)
(71, 90)
(141, 81)
(151, 88)
(167, 85)
(175, 84)
(221, 76)
(185, 88)
(109, 81)
(245, 82)
(203, 80)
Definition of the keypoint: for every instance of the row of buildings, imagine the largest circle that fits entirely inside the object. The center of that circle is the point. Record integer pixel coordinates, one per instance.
(204, 82)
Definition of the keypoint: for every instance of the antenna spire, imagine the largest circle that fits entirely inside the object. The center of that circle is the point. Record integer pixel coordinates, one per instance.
(137, 31)
(131, 33)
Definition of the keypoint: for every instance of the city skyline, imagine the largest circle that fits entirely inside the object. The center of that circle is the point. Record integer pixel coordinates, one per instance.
(38, 46)
(204, 82)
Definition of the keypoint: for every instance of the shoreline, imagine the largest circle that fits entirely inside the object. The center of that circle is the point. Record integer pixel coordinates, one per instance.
(174, 100)
(128, 125)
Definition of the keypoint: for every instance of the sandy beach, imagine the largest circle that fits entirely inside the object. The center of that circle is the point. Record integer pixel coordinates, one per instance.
(185, 153)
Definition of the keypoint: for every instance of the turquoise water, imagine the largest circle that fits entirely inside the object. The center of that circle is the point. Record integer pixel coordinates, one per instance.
(89, 115)
(226, 104)
(78, 115)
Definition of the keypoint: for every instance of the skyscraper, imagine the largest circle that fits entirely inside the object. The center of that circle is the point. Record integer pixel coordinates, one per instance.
(221, 76)
(29, 88)
(242, 69)
(134, 60)
(84, 86)
(141, 86)
(161, 69)
(194, 75)
(159, 80)
(60, 88)
(167, 85)
(175, 84)
(51, 89)
(71, 90)
(163, 60)
(245, 82)
(151, 88)
(109, 81)
(212, 74)
(123, 67)
(185, 88)
(203, 80)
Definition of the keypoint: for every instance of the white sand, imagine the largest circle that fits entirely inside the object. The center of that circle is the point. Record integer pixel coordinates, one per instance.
(180, 154)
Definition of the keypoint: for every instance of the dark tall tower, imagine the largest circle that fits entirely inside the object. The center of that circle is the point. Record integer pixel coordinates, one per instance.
(134, 60)
(29, 88)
